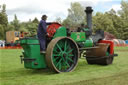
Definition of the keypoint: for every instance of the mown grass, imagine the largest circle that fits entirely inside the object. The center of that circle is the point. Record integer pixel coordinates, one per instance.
(12, 72)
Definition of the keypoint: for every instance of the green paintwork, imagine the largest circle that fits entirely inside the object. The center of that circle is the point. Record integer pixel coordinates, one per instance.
(88, 43)
(29, 41)
(78, 36)
(31, 50)
(107, 53)
(85, 29)
(61, 32)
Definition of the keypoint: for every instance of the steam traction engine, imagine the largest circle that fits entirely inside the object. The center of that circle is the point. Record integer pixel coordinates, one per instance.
(64, 48)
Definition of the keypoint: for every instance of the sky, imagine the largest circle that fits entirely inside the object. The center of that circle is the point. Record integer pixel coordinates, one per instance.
(29, 9)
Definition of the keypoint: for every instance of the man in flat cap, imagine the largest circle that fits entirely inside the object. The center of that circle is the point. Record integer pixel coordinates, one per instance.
(41, 33)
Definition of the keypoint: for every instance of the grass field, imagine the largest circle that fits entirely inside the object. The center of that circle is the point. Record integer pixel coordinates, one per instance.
(12, 72)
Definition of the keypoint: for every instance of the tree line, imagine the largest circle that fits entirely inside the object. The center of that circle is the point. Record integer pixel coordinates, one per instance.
(111, 21)
(15, 25)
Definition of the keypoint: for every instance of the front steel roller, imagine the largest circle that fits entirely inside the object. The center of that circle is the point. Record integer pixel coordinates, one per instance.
(62, 54)
(100, 55)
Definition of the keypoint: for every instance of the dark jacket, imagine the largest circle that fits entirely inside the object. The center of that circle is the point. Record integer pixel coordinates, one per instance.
(42, 28)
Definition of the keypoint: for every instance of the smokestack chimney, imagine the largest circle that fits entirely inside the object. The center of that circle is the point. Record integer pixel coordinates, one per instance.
(89, 11)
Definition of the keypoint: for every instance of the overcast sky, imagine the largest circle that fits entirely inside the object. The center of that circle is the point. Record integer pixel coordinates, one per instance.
(29, 9)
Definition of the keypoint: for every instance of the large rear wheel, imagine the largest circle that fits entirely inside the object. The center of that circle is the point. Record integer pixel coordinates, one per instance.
(62, 54)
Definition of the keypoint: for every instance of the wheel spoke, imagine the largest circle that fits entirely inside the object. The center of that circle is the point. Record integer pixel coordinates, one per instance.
(56, 55)
(67, 63)
(65, 67)
(70, 55)
(59, 47)
(68, 58)
(65, 46)
(61, 44)
(55, 51)
(60, 66)
(63, 64)
(54, 59)
(70, 51)
(58, 62)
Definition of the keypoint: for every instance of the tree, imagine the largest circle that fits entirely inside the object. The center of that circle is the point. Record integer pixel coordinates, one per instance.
(1, 32)
(101, 21)
(76, 15)
(16, 23)
(10, 27)
(35, 20)
(124, 17)
(116, 21)
(32, 28)
(29, 27)
(3, 16)
(124, 10)
(3, 21)
(58, 19)
(23, 27)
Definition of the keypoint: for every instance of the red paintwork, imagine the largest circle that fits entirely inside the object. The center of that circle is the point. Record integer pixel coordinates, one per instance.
(11, 47)
(52, 29)
(111, 45)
